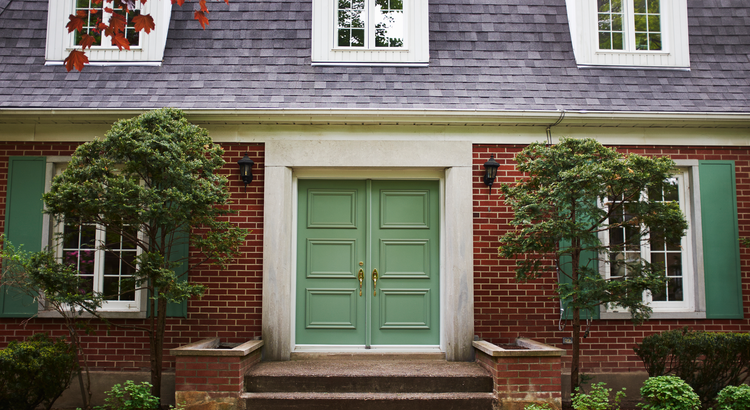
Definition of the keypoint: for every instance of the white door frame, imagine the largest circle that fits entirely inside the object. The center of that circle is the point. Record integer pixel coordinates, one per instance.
(336, 157)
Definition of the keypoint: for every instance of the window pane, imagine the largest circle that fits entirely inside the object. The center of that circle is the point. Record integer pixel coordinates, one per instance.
(93, 13)
(617, 43)
(641, 41)
(389, 24)
(603, 5)
(639, 6)
(351, 23)
(654, 42)
(653, 6)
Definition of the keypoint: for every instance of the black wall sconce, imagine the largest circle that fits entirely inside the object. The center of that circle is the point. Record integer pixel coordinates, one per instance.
(246, 170)
(490, 171)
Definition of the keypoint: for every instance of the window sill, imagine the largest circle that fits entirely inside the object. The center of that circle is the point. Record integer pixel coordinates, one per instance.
(655, 315)
(52, 314)
(368, 64)
(111, 63)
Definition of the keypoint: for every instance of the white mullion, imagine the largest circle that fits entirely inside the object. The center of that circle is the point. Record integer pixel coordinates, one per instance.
(101, 235)
(369, 24)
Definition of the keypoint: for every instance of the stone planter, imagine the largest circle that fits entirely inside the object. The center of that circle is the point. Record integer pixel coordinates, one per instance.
(523, 373)
(210, 374)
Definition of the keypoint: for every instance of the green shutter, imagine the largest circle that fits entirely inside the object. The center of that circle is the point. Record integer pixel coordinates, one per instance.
(180, 252)
(587, 257)
(24, 224)
(721, 252)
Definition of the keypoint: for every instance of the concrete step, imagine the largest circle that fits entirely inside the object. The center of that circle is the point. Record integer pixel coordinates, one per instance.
(357, 376)
(369, 401)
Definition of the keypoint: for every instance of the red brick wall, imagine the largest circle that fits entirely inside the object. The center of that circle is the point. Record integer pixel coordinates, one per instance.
(505, 310)
(230, 309)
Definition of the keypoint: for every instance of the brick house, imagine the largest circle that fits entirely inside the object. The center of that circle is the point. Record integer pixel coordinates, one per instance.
(339, 113)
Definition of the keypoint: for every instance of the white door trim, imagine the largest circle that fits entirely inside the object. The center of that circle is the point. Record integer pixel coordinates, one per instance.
(286, 160)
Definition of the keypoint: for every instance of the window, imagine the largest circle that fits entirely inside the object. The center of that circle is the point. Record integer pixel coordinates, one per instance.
(371, 32)
(370, 24)
(105, 261)
(104, 258)
(674, 258)
(145, 49)
(629, 33)
(622, 30)
(96, 13)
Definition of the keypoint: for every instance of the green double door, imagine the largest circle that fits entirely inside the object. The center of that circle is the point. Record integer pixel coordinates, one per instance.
(368, 263)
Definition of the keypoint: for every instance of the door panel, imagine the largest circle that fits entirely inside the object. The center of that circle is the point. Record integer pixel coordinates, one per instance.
(347, 229)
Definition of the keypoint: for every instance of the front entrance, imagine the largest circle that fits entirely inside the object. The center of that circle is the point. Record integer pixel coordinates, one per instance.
(368, 269)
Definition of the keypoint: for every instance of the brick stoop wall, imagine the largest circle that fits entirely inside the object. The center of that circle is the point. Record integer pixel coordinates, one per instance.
(523, 376)
(209, 377)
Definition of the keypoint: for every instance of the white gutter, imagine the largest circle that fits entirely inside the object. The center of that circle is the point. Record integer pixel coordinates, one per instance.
(395, 117)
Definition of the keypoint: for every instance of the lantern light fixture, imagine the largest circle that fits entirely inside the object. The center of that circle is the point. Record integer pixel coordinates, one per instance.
(246, 170)
(490, 172)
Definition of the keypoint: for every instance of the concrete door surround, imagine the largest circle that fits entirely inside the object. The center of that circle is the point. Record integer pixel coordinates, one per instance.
(450, 160)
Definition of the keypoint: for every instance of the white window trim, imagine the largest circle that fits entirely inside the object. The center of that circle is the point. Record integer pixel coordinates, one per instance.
(584, 32)
(113, 310)
(416, 39)
(150, 50)
(695, 305)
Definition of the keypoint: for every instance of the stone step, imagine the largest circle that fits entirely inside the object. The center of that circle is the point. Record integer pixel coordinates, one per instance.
(357, 376)
(369, 401)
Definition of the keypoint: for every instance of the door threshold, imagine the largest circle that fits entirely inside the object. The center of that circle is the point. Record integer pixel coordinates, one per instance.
(376, 352)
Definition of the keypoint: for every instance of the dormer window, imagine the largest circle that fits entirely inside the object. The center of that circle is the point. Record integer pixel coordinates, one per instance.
(370, 32)
(629, 33)
(145, 49)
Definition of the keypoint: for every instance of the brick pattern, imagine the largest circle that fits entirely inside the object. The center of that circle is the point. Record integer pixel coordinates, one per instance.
(213, 374)
(505, 310)
(520, 378)
(230, 308)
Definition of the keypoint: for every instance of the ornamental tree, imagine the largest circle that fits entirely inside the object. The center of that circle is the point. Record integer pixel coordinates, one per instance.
(573, 194)
(115, 26)
(154, 182)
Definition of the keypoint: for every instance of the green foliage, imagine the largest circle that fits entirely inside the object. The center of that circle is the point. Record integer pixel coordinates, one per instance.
(708, 362)
(668, 393)
(560, 201)
(597, 398)
(535, 406)
(162, 175)
(35, 372)
(734, 398)
(130, 397)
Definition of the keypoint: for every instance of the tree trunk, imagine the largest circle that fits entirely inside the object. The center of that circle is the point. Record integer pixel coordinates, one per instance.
(574, 365)
(157, 347)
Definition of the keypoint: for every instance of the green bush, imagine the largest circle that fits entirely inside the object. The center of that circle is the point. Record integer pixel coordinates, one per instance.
(708, 362)
(535, 406)
(597, 398)
(35, 372)
(734, 398)
(668, 393)
(130, 397)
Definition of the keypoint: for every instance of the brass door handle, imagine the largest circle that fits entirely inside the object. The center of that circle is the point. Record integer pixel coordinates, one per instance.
(374, 282)
(361, 277)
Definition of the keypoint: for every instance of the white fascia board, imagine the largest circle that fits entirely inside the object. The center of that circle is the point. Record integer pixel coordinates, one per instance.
(395, 117)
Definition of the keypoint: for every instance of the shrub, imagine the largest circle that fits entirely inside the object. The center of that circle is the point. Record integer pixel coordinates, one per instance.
(131, 397)
(668, 393)
(535, 406)
(35, 372)
(708, 362)
(734, 398)
(597, 399)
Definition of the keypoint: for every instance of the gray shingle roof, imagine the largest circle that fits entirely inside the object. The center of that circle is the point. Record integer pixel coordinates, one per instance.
(484, 55)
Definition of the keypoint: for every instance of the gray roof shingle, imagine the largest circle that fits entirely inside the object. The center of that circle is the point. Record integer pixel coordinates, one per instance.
(484, 55)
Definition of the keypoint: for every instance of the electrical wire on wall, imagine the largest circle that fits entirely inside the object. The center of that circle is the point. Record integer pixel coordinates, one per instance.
(549, 127)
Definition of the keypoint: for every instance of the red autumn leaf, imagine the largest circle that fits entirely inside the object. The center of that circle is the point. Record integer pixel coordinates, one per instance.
(121, 42)
(144, 22)
(178, 2)
(76, 59)
(127, 5)
(202, 4)
(87, 41)
(117, 23)
(201, 17)
(75, 23)
(143, 2)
